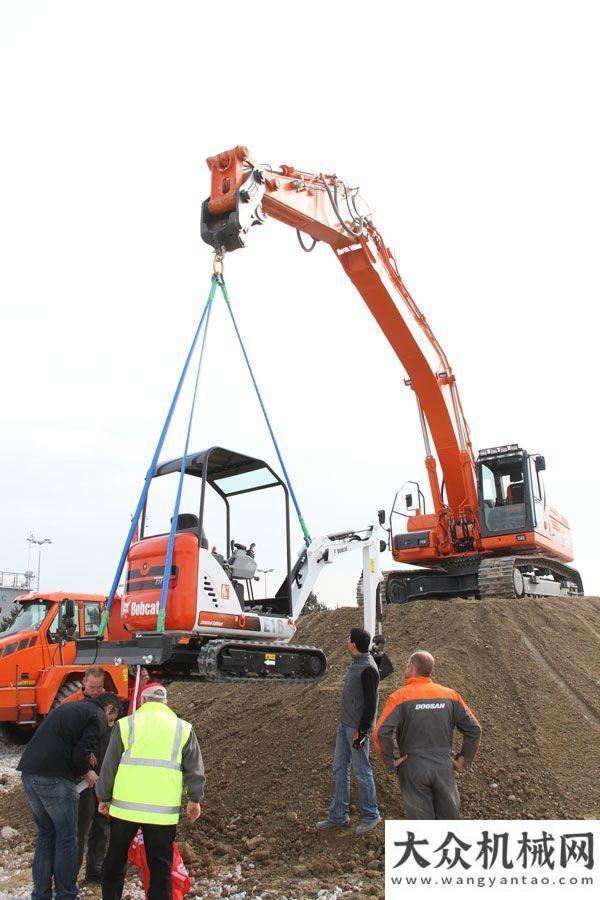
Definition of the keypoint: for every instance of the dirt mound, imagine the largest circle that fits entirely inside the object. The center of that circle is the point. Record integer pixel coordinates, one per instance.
(529, 669)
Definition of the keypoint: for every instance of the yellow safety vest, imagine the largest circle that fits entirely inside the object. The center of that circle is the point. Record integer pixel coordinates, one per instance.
(149, 783)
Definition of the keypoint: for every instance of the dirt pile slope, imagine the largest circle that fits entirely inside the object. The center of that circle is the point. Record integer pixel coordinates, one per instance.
(530, 670)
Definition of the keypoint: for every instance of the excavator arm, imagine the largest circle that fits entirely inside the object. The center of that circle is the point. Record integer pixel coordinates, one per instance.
(326, 209)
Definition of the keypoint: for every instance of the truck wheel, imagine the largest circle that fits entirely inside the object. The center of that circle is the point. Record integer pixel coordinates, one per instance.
(11, 733)
(66, 691)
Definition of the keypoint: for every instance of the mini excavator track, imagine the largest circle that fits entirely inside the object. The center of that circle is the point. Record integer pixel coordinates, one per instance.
(235, 661)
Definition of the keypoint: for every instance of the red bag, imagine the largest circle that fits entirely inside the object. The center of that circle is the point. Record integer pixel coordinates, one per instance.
(179, 874)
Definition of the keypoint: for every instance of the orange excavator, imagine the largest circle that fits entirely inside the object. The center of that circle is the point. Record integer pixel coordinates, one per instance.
(491, 532)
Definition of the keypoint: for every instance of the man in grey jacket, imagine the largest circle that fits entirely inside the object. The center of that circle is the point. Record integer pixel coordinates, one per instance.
(357, 715)
(151, 757)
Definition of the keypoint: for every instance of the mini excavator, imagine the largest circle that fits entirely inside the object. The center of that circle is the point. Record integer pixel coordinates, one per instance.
(491, 533)
(216, 628)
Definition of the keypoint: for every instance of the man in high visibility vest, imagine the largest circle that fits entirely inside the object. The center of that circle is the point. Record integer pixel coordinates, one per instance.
(152, 754)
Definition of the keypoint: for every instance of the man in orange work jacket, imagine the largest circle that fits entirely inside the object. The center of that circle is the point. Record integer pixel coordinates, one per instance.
(423, 716)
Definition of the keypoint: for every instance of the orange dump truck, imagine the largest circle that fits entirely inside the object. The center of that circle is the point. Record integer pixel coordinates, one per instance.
(37, 653)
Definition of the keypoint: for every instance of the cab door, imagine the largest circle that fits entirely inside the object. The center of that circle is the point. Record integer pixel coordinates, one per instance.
(65, 654)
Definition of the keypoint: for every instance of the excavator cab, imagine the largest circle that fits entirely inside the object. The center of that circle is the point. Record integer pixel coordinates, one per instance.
(511, 490)
(525, 544)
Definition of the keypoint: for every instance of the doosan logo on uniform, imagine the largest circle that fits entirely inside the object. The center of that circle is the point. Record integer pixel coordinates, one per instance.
(430, 706)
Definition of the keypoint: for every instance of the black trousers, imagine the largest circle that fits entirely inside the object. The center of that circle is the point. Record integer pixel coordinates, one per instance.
(428, 788)
(93, 829)
(158, 842)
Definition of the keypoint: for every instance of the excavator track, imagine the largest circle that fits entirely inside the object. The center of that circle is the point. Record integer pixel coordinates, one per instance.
(507, 577)
(249, 661)
(496, 578)
(382, 588)
(502, 578)
(393, 581)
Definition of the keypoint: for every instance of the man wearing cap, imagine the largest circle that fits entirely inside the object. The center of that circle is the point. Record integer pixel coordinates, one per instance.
(152, 754)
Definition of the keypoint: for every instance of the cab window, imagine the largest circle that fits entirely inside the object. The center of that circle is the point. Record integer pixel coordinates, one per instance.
(536, 484)
(91, 618)
(537, 489)
(503, 490)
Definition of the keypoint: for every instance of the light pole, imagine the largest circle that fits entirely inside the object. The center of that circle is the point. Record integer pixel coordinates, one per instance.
(34, 540)
(265, 573)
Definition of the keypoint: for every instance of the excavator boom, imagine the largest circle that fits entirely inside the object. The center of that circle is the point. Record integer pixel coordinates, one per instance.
(326, 209)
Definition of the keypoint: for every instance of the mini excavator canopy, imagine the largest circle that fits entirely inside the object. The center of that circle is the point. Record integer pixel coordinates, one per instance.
(229, 474)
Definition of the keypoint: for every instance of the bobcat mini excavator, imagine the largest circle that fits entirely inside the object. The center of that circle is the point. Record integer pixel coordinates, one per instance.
(215, 628)
(491, 532)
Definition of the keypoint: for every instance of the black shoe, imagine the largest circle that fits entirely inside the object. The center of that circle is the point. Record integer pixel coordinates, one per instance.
(328, 825)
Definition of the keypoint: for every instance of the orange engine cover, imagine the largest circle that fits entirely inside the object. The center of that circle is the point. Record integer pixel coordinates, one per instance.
(145, 573)
(421, 522)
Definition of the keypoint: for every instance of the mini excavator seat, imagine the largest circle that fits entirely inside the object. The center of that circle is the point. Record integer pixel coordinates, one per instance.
(188, 523)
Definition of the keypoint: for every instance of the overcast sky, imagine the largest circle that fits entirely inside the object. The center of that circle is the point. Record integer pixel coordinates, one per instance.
(472, 130)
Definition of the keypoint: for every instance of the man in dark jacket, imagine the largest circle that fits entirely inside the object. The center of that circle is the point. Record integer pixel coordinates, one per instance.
(423, 715)
(357, 716)
(57, 757)
(92, 828)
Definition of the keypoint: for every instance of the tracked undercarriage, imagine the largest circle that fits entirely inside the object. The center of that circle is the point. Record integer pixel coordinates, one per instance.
(527, 576)
(488, 578)
(246, 661)
(187, 658)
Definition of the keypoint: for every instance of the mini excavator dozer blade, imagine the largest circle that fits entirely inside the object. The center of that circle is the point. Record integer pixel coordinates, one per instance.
(147, 650)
